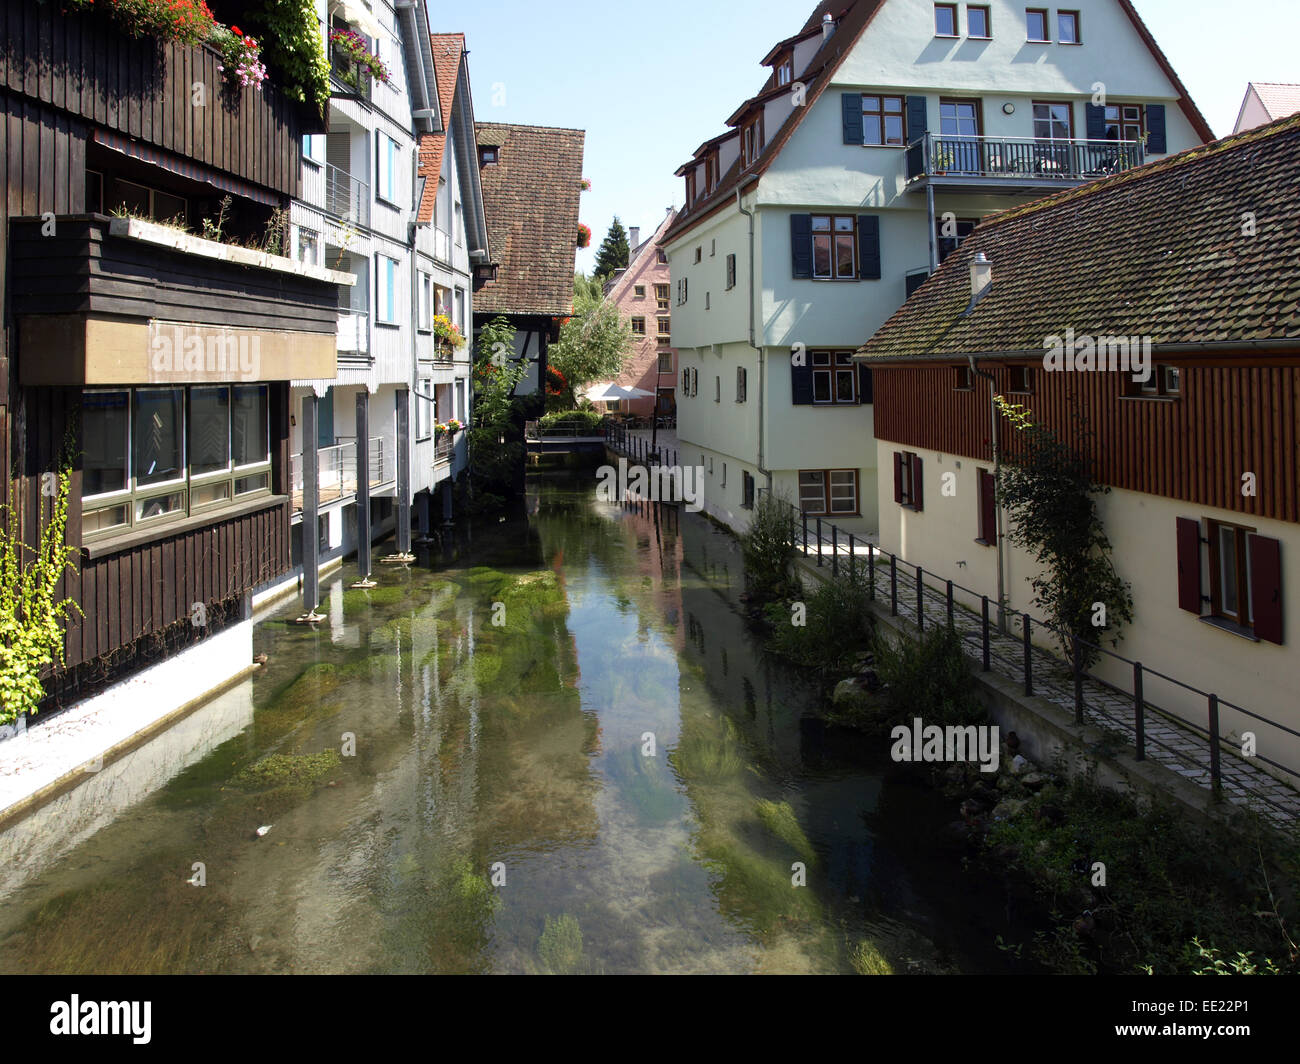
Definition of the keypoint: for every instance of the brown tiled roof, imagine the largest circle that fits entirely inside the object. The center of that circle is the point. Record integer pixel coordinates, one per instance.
(448, 50)
(852, 18)
(530, 197)
(1158, 251)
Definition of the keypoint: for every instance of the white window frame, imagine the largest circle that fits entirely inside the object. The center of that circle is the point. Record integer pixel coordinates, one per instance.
(386, 169)
(386, 290)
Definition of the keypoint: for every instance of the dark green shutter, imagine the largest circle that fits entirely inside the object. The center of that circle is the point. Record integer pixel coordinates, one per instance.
(851, 107)
(869, 247)
(913, 281)
(801, 392)
(801, 259)
(1156, 129)
(865, 391)
(1096, 121)
(917, 122)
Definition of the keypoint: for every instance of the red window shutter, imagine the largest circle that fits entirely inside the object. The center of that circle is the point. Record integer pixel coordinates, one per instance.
(988, 520)
(916, 482)
(1189, 565)
(1266, 586)
(898, 477)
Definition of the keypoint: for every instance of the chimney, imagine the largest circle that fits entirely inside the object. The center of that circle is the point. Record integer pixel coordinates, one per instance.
(828, 25)
(633, 236)
(981, 274)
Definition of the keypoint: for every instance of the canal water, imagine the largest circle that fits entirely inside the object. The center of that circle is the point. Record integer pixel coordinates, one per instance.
(559, 750)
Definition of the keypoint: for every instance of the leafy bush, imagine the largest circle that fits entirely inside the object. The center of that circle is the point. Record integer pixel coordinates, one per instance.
(928, 678)
(566, 420)
(838, 625)
(1173, 898)
(768, 549)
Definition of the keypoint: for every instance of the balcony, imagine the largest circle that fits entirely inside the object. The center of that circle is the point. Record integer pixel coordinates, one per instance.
(346, 197)
(1014, 164)
(347, 78)
(353, 333)
(442, 449)
(121, 300)
(337, 471)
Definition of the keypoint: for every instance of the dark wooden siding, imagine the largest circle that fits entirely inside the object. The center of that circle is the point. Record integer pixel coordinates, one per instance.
(1229, 421)
(84, 269)
(133, 594)
(82, 64)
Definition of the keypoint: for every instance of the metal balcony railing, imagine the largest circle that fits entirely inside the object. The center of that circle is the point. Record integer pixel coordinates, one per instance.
(442, 448)
(337, 471)
(1020, 158)
(354, 332)
(346, 197)
(347, 77)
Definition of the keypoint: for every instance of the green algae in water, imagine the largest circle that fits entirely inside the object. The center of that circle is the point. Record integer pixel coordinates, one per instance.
(698, 757)
(780, 820)
(286, 769)
(756, 888)
(560, 946)
(866, 959)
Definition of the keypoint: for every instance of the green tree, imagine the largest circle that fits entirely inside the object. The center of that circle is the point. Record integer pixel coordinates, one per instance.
(614, 251)
(593, 343)
(496, 449)
(1050, 492)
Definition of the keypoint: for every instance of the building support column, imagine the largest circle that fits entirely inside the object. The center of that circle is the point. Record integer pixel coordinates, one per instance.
(446, 502)
(403, 531)
(310, 513)
(363, 490)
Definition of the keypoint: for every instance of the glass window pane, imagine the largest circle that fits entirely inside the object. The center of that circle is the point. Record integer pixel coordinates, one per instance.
(101, 520)
(822, 256)
(844, 256)
(160, 505)
(821, 358)
(844, 385)
(871, 103)
(893, 129)
(209, 430)
(844, 225)
(1228, 569)
(249, 425)
(159, 435)
(105, 433)
(257, 482)
(894, 104)
(821, 387)
(209, 493)
(871, 130)
(821, 223)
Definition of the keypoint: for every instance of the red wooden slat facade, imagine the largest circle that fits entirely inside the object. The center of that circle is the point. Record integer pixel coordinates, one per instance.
(1228, 421)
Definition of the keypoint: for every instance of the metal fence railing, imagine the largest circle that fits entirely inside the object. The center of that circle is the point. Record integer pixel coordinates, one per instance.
(637, 448)
(1004, 641)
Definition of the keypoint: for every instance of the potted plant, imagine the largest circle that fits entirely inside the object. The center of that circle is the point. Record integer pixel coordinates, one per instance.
(359, 62)
(584, 235)
(446, 335)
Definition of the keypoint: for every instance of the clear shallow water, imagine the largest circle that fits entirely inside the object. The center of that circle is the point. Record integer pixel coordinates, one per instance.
(615, 747)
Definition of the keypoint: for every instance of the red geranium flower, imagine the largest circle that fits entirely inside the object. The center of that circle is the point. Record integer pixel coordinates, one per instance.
(236, 31)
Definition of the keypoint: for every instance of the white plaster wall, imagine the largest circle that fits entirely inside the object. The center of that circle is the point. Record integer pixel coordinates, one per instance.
(1261, 677)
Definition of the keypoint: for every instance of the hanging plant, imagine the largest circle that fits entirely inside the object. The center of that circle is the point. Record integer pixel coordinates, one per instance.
(353, 47)
(585, 185)
(446, 331)
(241, 59)
(185, 21)
(584, 235)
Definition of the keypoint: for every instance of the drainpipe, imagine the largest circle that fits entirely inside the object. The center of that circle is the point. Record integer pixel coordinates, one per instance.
(981, 285)
(762, 361)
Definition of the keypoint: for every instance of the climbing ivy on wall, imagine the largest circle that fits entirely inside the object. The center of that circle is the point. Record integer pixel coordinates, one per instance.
(33, 614)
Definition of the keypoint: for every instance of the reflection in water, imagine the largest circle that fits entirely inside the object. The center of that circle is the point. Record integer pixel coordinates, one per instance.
(567, 755)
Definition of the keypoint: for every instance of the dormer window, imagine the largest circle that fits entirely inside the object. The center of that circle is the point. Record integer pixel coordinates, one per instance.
(690, 187)
(488, 155)
(711, 175)
(784, 71)
(751, 140)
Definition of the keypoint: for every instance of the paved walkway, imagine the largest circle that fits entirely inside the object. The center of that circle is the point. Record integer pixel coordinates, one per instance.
(1170, 742)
